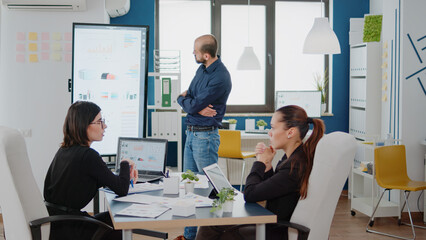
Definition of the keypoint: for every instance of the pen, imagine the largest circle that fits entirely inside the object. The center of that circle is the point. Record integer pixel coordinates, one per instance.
(131, 182)
(167, 173)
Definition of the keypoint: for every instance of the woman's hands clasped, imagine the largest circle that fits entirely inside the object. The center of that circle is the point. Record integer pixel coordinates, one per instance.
(265, 154)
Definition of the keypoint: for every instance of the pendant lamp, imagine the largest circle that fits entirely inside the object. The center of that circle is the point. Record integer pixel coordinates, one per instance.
(248, 60)
(321, 39)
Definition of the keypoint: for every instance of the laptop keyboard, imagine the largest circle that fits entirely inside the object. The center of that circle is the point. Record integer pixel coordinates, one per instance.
(144, 178)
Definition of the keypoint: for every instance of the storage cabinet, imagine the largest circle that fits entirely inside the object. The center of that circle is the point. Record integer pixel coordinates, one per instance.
(364, 124)
(166, 115)
(365, 91)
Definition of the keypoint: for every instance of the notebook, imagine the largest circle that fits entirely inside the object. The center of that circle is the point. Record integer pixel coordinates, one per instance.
(149, 155)
(216, 177)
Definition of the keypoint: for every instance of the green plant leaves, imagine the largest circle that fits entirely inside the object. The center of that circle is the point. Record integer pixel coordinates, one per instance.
(372, 28)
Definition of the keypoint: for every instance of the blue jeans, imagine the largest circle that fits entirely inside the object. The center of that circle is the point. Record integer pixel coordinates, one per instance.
(200, 151)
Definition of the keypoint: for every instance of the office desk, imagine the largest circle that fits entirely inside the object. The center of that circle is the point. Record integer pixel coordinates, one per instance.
(243, 213)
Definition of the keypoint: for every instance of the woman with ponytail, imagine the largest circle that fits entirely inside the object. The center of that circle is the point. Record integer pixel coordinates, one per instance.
(283, 187)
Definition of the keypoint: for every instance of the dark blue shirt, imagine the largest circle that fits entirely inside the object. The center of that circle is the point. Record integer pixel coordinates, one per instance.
(210, 85)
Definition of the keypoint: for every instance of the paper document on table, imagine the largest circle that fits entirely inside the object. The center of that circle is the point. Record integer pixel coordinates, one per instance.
(146, 211)
(200, 201)
(147, 199)
(145, 187)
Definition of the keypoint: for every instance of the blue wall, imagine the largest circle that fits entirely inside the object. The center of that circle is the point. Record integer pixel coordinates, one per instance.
(143, 13)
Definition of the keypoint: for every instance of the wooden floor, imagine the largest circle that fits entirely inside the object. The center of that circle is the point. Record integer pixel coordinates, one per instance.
(344, 226)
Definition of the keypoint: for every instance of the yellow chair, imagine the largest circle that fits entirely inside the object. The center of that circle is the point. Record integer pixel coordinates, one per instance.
(391, 173)
(230, 147)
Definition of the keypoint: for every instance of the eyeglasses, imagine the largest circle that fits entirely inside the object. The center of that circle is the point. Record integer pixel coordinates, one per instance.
(101, 122)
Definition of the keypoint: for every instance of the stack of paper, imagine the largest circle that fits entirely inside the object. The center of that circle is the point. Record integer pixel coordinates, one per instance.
(147, 211)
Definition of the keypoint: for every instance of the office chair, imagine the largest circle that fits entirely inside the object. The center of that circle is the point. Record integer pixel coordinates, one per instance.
(391, 173)
(313, 215)
(230, 148)
(24, 214)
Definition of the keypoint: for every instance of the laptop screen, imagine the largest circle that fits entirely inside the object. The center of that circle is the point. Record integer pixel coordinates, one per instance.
(149, 154)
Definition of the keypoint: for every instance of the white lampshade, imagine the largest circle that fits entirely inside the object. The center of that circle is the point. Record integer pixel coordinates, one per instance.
(248, 60)
(321, 39)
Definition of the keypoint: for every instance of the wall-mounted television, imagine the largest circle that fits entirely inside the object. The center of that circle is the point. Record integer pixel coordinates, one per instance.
(109, 68)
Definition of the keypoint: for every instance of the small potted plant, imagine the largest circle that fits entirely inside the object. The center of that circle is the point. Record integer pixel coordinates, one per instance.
(261, 124)
(232, 124)
(224, 202)
(321, 83)
(190, 177)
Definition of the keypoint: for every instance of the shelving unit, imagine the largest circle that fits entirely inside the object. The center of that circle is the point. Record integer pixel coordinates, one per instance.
(166, 118)
(365, 92)
(365, 124)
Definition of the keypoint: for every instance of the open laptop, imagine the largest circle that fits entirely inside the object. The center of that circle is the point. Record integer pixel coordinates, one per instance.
(149, 155)
(216, 177)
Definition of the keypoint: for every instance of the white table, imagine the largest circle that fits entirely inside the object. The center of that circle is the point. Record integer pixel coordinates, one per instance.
(243, 213)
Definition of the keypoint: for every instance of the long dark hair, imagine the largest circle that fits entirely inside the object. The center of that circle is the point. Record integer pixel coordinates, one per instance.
(79, 116)
(295, 116)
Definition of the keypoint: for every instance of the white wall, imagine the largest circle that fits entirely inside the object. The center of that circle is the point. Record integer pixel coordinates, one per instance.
(404, 111)
(376, 7)
(34, 96)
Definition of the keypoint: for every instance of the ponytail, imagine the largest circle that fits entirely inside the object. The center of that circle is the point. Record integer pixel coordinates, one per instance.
(309, 148)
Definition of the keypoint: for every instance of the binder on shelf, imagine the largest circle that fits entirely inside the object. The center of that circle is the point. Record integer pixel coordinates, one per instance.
(166, 86)
(174, 125)
(154, 124)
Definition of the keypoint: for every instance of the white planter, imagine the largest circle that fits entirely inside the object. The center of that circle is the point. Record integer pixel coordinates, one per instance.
(261, 127)
(218, 212)
(189, 187)
(228, 206)
(323, 107)
(232, 126)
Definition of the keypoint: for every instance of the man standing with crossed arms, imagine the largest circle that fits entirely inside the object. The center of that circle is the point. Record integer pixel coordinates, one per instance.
(205, 105)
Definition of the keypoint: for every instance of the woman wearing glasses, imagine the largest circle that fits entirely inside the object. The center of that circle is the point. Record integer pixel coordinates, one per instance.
(77, 172)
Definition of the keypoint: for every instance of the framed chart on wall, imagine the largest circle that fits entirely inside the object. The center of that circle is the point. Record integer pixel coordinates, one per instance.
(308, 100)
(109, 68)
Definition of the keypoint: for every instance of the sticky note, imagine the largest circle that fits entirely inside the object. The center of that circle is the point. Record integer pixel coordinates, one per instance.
(57, 47)
(68, 47)
(67, 36)
(385, 45)
(385, 76)
(45, 36)
(20, 58)
(20, 47)
(56, 57)
(33, 58)
(45, 46)
(385, 87)
(45, 56)
(385, 65)
(57, 36)
(32, 36)
(32, 47)
(68, 57)
(385, 55)
(384, 97)
(20, 36)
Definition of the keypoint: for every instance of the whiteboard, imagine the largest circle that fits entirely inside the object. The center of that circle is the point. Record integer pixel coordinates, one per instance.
(110, 69)
(308, 100)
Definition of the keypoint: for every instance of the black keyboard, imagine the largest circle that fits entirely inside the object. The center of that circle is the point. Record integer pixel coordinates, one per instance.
(145, 178)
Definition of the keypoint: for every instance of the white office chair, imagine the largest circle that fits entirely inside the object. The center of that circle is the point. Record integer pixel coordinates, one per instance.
(24, 213)
(333, 159)
(312, 216)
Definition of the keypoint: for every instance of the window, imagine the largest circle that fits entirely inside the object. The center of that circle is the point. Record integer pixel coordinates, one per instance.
(276, 29)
